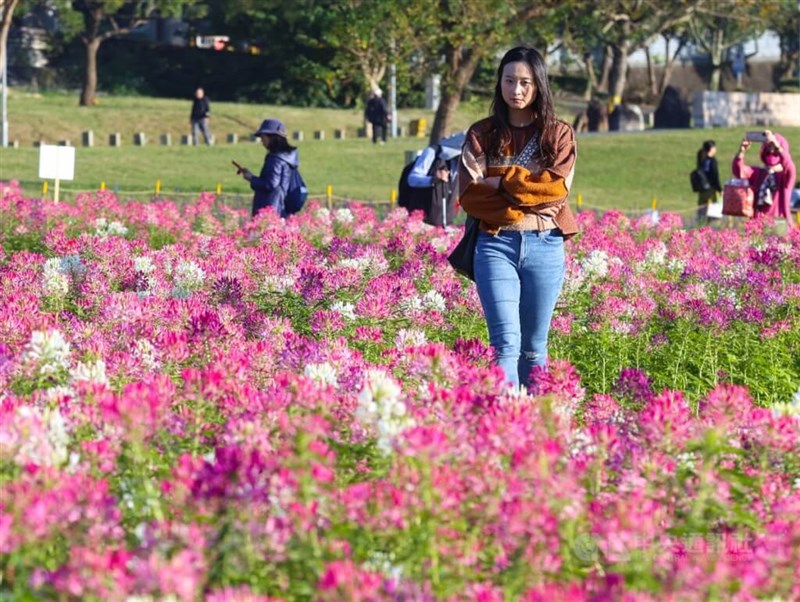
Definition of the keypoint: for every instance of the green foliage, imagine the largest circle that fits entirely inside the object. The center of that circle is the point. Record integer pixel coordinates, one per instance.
(677, 355)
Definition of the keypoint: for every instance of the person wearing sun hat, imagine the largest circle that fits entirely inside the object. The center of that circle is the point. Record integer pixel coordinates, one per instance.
(271, 184)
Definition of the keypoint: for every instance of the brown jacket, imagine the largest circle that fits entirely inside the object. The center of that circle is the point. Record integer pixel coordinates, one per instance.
(523, 189)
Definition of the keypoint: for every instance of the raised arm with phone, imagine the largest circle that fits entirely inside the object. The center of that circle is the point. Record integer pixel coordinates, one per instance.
(773, 180)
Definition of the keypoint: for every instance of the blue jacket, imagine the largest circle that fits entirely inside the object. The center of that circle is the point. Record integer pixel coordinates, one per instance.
(272, 183)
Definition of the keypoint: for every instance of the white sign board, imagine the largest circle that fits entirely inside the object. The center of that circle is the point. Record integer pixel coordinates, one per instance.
(56, 162)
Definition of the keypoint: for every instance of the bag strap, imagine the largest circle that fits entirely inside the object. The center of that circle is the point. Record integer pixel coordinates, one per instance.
(526, 154)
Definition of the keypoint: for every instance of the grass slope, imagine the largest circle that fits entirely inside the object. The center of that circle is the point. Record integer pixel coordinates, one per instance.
(617, 170)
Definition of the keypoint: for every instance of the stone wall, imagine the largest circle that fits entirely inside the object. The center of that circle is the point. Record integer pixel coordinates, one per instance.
(728, 109)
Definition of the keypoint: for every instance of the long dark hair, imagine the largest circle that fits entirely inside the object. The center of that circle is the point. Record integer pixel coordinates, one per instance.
(544, 116)
(702, 154)
(279, 144)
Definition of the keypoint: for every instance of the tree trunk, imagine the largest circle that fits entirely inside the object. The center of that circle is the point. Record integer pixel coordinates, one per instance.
(619, 71)
(89, 91)
(717, 50)
(460, 67)
(7, 11)
(651, 74)
(591, 77)
(605, 70)
(669, 64)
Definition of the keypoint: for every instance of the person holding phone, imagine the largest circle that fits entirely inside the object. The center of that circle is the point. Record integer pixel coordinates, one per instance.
(772, 181)
(271, 185)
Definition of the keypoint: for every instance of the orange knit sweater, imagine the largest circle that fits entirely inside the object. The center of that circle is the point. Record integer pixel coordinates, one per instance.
(523, 189)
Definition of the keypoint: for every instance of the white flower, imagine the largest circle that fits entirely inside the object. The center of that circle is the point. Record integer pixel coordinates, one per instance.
(411, 304)
(94, 372)
(675, 265)
(358, 263)
(43, 436)
(104, 228)
(55, 281)
(407, 337)
(278, 284)
(48, 351)
(188, 277)
(147, 355)
(595, 264)
(434, 301)
(346, 310)
(324, 373)
(344, 216)
(657, 255)
(143, 265)
(380, 407)
(117, 229)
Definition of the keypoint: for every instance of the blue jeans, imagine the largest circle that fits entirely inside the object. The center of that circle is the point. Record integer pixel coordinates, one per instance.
(519, 277)
(200, 125)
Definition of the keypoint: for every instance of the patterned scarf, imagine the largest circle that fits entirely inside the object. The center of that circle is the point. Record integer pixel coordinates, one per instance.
(767, 189)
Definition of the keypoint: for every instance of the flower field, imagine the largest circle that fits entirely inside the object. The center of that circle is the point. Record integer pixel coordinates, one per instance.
(196, 406)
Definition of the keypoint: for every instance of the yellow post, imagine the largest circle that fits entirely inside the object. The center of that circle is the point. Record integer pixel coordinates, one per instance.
(219, 188)
(44, 188)
(653, 204)
(55, 190)
(393, 198)
(330, 196)
(580, 201)
(158, 186)
(102, 185)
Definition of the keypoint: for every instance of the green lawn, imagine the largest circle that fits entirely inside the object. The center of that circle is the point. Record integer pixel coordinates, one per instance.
(623, 171)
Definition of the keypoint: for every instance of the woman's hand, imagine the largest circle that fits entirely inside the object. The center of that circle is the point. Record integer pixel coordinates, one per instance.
(548, 211)
(776, 168)
(743, 146)
(247, 174)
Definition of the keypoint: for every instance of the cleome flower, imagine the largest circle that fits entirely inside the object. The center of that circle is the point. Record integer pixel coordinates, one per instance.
(381, 409)
(41, 437)
(103, 228)
(324, 373)
(47, 352)
(55, 282)
(188, 277)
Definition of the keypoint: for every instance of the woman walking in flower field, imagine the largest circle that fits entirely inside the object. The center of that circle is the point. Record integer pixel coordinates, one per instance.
(515, 174)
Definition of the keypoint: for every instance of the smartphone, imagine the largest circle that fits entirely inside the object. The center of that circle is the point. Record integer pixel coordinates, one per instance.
(755, 136)
(239, 168)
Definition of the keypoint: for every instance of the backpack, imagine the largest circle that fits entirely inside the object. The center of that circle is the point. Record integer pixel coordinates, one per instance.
(296, 193)
(415, 199)
(699, 181)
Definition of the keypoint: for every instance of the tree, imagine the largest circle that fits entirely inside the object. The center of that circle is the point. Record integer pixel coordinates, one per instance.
(105, 19)
(367, 36)
(624, 26)
(720, 25)
(293, 36)
(454, 35)
(6, 14)
(784, 19)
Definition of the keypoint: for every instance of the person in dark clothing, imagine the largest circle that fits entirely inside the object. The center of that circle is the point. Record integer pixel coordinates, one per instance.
(201, 113)
(378, 115)
(707, 163)
(271, 185)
